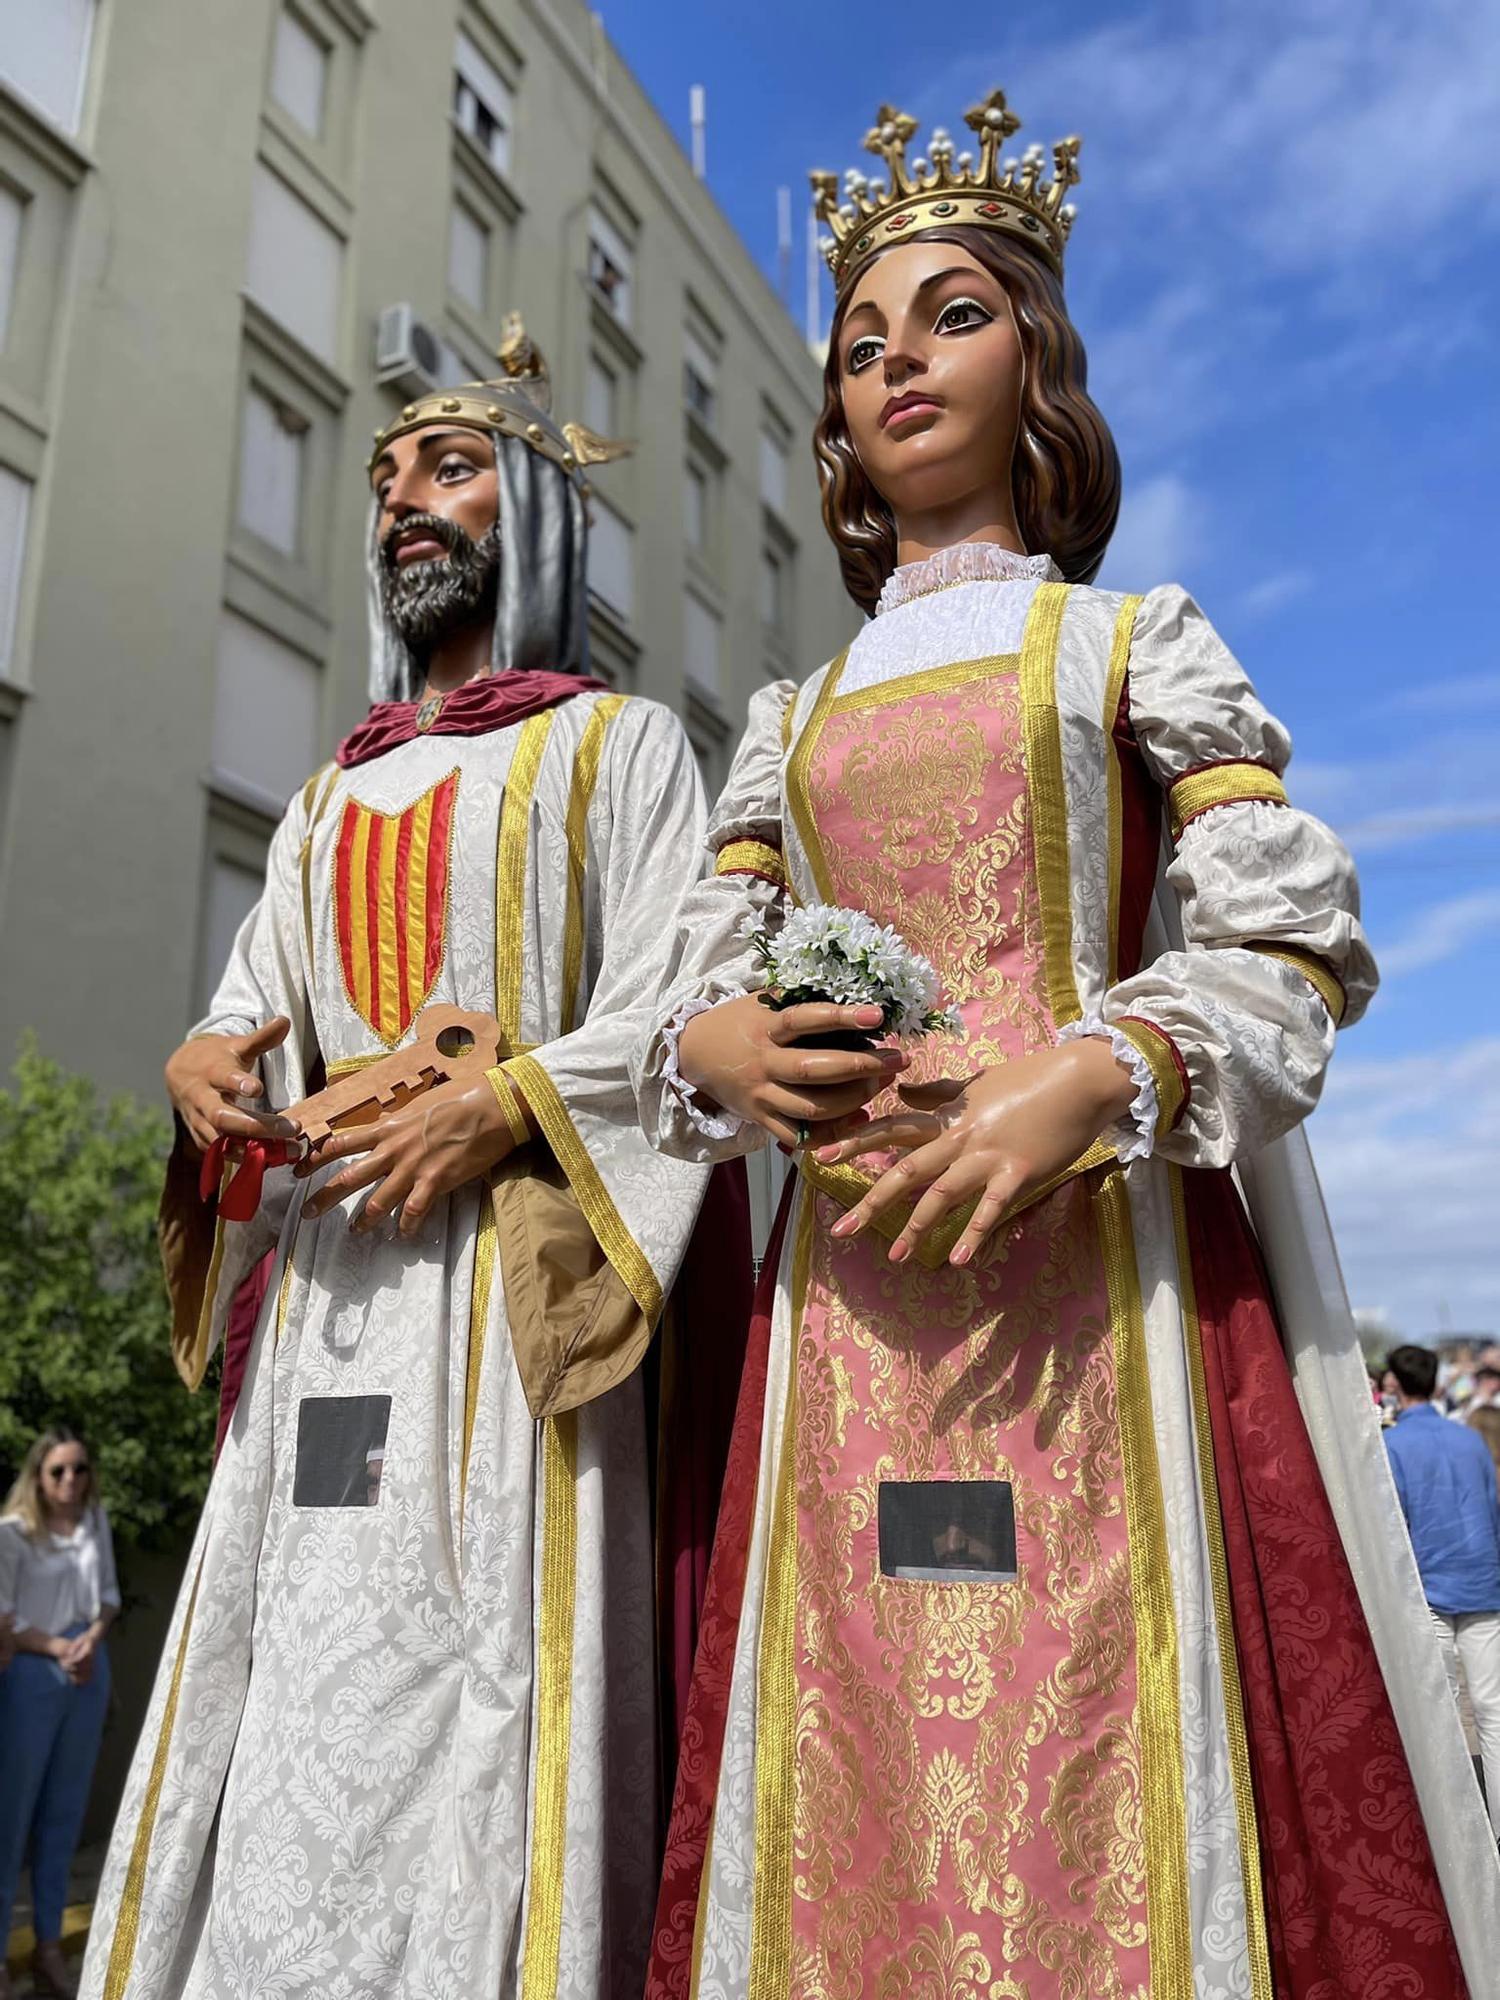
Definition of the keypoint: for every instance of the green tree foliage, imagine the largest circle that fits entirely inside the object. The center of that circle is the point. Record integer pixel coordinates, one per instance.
(83, 1310)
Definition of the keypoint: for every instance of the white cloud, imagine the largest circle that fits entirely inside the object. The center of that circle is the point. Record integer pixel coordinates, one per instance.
(1441, 931)
(1461, 695)
(1383, 831)
(1159, 535)
(1274, 592)
(1409, 1154)
(1438, 785)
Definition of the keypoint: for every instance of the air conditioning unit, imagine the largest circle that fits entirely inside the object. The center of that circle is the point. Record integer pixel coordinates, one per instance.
(409, 356)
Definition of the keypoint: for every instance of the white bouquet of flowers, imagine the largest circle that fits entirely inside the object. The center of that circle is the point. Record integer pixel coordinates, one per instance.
(823, 953)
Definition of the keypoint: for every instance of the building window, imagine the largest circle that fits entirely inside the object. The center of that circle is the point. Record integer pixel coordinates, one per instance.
(601, 398)
(611, 267)
(695, 509)
(468, 258)
(483, 104)
(701, 632)
(611, 561)
(296, 264)
(266, 711)
(775, 590)
(700, 379)
(299, 72)
(273, 444)
(775, 459)
(233, 890)
(44, 55)
(12, 214)
(15, 508)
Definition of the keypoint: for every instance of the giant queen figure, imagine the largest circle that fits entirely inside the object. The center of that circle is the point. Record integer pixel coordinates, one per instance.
(402, 1739)
(1063, 1641)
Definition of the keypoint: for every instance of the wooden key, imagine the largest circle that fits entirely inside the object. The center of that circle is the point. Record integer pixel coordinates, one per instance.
(450, 1040)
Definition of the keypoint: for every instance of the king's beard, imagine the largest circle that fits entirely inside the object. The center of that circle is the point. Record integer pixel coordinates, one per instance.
(426, 601)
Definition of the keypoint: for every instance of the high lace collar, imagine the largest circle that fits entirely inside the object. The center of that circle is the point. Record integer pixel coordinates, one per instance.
(965, 562)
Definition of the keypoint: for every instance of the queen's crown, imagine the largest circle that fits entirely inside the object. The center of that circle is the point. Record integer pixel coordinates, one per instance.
(942, 190)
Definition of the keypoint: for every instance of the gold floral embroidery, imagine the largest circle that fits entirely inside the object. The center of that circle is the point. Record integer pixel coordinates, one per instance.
(940, 1963)
(1094, 1810)
(919, 775)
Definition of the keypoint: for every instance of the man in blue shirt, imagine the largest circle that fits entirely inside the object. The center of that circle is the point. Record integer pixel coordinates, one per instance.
(1446, 1479)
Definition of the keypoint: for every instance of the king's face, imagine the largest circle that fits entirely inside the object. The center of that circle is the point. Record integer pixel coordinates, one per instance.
(930, 372)
(444, 472)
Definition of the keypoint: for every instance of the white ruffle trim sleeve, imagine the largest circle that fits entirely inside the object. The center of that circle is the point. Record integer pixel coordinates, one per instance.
(1136, 1130)
(713, 1125)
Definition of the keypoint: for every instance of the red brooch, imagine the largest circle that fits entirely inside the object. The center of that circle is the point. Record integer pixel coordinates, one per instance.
(899, 222)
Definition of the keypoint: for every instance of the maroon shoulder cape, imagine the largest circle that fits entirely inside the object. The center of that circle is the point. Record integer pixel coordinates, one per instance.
(491, 702)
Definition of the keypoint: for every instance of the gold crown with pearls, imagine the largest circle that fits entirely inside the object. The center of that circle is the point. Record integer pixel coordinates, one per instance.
(943, 190)
(516, 403)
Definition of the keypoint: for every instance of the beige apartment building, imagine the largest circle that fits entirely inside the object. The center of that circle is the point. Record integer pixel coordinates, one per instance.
(234, 235)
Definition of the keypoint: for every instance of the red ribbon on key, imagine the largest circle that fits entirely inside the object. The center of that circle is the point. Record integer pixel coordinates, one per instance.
(241, 1198)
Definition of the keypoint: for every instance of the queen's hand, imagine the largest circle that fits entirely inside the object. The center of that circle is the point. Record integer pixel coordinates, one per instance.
(744, 1057)
(996, 1137)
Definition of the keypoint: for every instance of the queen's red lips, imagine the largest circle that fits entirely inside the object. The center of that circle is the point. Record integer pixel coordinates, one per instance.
(900, 406)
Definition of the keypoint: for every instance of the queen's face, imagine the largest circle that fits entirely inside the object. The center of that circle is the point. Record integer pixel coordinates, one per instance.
(931, 367)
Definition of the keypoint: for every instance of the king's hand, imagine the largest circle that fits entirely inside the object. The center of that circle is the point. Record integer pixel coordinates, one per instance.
(409, 1159)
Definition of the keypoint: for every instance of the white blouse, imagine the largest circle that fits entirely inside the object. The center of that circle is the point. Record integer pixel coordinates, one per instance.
(59, 1581)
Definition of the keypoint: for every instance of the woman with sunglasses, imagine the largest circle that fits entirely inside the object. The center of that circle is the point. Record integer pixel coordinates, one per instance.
(58, 1587)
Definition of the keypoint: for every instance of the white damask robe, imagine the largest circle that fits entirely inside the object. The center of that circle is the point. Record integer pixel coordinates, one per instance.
(402, 1742)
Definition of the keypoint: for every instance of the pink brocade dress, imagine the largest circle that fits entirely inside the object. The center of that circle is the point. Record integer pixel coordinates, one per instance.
(1031, 1664)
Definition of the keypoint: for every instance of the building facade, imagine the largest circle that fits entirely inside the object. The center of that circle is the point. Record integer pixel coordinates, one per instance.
(234, 236)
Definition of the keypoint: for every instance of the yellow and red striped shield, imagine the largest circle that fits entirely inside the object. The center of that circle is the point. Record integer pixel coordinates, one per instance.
(390, 904)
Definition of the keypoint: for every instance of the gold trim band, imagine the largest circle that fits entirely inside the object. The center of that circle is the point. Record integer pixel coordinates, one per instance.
(1315, 970)
(580, 797)
(479, 1320)
(1047, 794)
(1158, 1696)
(1158, 1051)
(798, 787)
(128, 1920)
(505, 1097)
(510, 871)
(614, 1239)
(547, 1861)
(1228, 784)
(1218, 1569)
(751, 857)
(776, 1693)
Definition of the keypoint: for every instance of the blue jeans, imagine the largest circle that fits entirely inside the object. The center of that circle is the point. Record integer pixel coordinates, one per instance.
(49, 1739)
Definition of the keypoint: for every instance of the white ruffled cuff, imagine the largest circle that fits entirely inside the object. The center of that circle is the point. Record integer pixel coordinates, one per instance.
(712, 1124)
(1135, 1132)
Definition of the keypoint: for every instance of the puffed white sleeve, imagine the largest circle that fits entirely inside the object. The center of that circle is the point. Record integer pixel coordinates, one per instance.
(1236, 1028)
(711, 958)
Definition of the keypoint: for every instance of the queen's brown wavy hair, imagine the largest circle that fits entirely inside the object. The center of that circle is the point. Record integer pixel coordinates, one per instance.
(1066, 474)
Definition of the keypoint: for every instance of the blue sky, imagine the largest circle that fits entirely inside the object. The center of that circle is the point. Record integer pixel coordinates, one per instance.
(1285, 270)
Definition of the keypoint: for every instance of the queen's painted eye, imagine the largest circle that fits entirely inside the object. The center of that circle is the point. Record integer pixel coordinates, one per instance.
(863, 352)
(962, 316)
